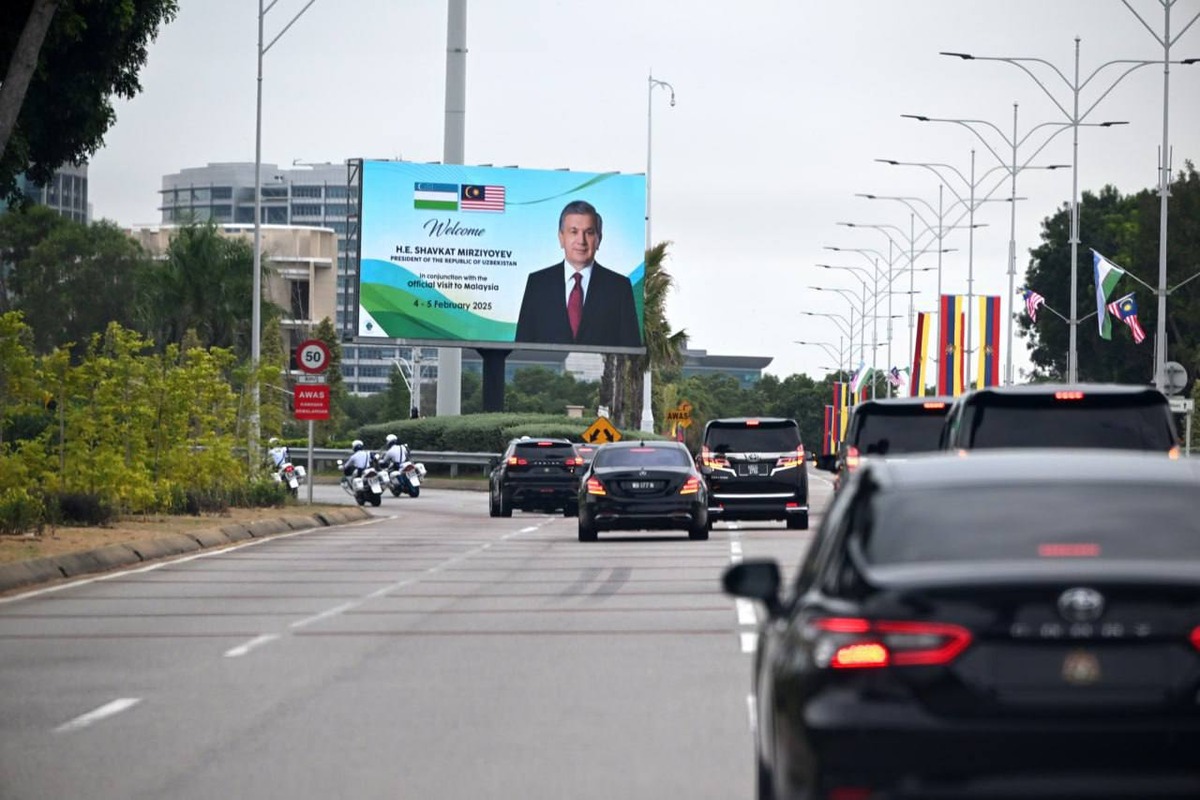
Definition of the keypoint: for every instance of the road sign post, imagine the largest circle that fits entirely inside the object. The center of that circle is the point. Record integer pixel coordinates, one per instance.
(601, 432)
(311, 398)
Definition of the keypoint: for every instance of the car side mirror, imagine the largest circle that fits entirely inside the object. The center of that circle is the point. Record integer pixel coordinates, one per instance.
(755, 580)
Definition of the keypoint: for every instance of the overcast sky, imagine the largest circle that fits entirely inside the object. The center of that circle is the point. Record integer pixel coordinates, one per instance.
(781, 108)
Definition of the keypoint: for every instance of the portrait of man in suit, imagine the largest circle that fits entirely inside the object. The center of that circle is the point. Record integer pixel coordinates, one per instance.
(577, 301)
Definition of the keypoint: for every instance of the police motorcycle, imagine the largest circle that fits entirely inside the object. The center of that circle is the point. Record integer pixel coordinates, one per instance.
(360, 476)
(290, 475)
(403, 477)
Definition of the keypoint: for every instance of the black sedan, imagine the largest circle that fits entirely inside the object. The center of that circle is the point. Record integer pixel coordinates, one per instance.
(642, 486)
(1003, 624)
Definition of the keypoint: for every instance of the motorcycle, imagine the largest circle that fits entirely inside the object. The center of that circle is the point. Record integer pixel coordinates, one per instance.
(366, 487)
(406, 479)
(292, 476)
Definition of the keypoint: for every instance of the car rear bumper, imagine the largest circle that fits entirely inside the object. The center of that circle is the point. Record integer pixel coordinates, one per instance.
(886, 744)
(542, 492)
(769, 505)
(645, 515)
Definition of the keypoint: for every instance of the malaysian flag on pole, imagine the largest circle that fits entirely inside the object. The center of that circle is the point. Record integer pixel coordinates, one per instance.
(482, 198)
(1125, 309)
(1032, 301)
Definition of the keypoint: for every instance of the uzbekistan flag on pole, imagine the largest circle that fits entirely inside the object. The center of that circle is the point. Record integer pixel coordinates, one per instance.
(435, 196)
(1107, 275)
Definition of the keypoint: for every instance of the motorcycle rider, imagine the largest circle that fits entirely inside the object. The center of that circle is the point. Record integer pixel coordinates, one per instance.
(277, 452)
(358, 461)
(395, 453)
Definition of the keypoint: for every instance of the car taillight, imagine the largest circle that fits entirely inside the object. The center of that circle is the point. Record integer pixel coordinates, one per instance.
(852, 458)
(751, 423)
(577, 461)
(594, 486)
(1173, 453)
(791, 459)
(1068, 395)
(1195, 637)
(690, 486)
(854, 643)
(289, 469)
(710, 459)
(514, 461)
(933, 406)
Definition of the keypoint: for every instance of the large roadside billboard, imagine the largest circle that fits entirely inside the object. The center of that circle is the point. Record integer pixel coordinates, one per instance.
(474, 257)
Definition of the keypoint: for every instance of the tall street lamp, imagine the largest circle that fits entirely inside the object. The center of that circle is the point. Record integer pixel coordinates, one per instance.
(256, 302)
(1013, 170)
(1075, 119)
(647, 422)
(828, 347)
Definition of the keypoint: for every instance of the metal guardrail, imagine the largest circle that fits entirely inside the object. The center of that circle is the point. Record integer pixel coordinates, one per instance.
(328, 456)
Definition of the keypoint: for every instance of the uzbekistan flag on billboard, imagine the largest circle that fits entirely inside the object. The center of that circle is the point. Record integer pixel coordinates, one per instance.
(989, 350)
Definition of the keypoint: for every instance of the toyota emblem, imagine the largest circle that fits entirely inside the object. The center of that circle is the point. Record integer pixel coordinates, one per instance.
(1081, 605)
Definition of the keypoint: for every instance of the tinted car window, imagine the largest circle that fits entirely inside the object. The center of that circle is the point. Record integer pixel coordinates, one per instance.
(1111, 422)
(552, 450)
(1110, 522)
(895, 431)
(642, 457)
(763, 438)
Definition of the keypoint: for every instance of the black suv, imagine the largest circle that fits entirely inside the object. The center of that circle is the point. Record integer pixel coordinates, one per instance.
(536, 475)
(755, 470)
(890, 427)
(1113, 416)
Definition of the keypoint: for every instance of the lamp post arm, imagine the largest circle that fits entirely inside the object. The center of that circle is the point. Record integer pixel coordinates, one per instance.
(1136, 66)
(1181, 283)
(287, 27)
(1018, 63)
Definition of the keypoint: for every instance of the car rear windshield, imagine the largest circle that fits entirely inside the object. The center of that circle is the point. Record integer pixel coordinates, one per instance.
(642, 457)
(898, 430)
(547, 450)
(1033, 522)
(766, 437)
(1133, 422)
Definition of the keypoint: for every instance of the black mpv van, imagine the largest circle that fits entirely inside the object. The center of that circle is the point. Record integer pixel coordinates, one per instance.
(755, 470)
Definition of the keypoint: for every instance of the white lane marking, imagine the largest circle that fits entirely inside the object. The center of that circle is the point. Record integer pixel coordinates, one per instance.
(333, 612)
(170, 562)
(243, 649)
(752, 712)
(749, 642)
(735, 548)
(745, 613)
(530, 529)
(106, 710)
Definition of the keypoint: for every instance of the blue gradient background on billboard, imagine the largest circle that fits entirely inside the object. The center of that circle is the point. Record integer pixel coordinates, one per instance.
(528, 227)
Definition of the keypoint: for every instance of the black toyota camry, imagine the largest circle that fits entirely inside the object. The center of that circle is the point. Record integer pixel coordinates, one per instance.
(642, 486)
(1003, 624)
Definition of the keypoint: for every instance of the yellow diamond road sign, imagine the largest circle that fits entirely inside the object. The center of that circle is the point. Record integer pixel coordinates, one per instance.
(601, 432)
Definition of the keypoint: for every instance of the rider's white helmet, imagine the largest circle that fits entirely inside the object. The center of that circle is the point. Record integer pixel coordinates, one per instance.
(274, 440)
(356, 445)
(391, 438)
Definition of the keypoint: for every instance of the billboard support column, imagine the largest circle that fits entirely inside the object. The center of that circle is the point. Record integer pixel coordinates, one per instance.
(449, 385)
(493, 378)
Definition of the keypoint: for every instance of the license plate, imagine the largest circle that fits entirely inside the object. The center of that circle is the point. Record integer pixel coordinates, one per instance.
(636, 485)
(756, 469)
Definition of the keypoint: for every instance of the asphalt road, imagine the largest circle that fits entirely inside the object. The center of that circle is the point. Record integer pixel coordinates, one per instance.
(431, 652)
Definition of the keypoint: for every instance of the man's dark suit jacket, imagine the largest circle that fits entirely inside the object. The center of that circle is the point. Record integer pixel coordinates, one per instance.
(609, 313)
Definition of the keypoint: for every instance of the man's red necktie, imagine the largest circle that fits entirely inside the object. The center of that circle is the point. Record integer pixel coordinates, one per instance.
(575, 304)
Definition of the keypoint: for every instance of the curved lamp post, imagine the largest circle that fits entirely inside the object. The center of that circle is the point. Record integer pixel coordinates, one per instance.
(647, 421)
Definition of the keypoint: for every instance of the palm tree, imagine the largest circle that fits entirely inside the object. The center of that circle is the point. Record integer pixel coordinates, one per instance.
(624, 376)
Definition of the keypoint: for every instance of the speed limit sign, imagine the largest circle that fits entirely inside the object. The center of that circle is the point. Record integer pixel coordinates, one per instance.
(312, 356)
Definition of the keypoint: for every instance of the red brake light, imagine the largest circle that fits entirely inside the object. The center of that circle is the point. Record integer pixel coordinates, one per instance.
(709, 459)
(852, 458)
(795, 459)
(1068, 395)
(577, 461)
(1069, 550)
(594, 486)
(751, 423)
(932, 406)
(516, 461)
(851, 643)
(690, 486)
(1173, 453)
(1195, 637)
(545, 444)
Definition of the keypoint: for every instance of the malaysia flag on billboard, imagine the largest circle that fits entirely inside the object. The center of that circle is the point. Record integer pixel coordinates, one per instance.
(482, 198)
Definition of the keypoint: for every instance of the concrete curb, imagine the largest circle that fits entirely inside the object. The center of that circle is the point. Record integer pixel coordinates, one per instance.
(36, 571)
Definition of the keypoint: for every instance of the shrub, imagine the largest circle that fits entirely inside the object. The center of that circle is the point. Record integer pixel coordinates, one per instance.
(263, 493)
(20, 511)
(80, 508)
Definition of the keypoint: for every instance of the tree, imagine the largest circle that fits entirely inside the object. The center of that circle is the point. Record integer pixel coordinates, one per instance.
(65, 59)
(21, 231)
(18, 375)
(624, 376)
(1125, 229)
(76, 281)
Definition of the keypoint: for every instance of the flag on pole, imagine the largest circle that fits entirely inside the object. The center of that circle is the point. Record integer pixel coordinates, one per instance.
(989, 351)
(1126, 310)
(1032, 301)
(827, 445)
(895, 377)
(951, 338)
(920, 356)
(860, 375)
(1107, 274)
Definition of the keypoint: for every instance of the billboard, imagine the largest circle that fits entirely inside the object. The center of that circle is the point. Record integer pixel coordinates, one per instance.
(473, 257)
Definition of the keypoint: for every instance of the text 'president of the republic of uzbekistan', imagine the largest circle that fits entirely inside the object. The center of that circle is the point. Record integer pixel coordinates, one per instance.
(577, 301)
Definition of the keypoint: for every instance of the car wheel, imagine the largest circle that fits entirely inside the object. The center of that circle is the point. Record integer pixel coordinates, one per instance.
(698, 532)
(493, 505)
(798, 522)
(571, 510)
(506, 507)
(587, 531)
